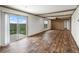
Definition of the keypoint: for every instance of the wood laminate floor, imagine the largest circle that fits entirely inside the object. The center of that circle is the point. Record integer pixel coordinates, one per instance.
(52, 41)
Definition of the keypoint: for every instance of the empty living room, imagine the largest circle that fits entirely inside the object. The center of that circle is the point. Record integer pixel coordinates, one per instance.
(39, 28)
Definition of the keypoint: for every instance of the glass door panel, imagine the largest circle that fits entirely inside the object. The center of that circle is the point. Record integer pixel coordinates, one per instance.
(13, 28)
(21, 26)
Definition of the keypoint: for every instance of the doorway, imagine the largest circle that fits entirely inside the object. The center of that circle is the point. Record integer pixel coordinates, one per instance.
(18, 27)
(61, 24)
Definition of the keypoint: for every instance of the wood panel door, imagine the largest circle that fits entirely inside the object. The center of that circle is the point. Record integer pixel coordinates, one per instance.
(57, 25)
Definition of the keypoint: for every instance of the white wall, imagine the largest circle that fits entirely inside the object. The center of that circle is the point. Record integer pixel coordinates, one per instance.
(35, 24)
(75, 26)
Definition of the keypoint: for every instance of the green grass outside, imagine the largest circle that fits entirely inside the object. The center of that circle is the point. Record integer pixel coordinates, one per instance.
(21, 29)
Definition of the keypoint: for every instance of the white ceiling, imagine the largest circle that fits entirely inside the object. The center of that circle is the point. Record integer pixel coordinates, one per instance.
(42, 9)
(56, 14)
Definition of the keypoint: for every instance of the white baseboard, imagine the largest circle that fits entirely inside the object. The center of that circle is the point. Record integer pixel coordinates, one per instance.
(39, 32)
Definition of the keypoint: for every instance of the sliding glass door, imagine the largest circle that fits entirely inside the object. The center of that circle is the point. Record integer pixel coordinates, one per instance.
(13, 28)
(22, 26)
(18, 27)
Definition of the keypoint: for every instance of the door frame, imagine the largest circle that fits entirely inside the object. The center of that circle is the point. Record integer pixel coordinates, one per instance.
(18, 24)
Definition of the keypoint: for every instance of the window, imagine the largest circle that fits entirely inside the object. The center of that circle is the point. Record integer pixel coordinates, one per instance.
(45, 23)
